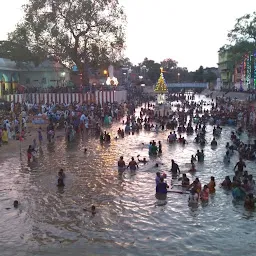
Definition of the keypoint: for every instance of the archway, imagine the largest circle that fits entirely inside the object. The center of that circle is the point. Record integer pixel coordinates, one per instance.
(14, 83)
(3, 81)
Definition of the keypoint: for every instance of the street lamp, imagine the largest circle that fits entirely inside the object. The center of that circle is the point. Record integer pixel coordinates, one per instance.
(178, 77)
(105, 72)
(63, 74)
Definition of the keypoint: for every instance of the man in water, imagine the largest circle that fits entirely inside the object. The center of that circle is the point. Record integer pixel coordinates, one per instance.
(161, 190)
(175, 168)
(133, 165)
(240, 165)
(184, 180)
(121, 165)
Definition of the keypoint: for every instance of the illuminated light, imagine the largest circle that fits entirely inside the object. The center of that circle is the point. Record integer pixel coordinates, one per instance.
(105, 72)
(161, 86)
(112, 81)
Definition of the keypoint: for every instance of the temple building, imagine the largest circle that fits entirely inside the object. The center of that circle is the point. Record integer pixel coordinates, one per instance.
(48, 74)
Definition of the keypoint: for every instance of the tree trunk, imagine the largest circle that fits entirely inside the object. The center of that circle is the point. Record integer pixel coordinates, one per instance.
(85, 75)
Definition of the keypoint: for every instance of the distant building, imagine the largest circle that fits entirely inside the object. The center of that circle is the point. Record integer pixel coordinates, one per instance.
(225, 69)
(48, 73)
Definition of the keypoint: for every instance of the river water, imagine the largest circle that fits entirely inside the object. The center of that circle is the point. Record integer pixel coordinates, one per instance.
(51, 221)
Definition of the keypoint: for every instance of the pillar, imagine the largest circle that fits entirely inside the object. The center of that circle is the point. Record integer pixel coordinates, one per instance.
(14, 87)
(8, 88)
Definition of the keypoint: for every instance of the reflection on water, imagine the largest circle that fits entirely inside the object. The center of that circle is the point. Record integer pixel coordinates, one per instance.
(51, 221)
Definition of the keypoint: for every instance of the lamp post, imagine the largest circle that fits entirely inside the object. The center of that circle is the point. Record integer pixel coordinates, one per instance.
(62, 75)
(178, 77)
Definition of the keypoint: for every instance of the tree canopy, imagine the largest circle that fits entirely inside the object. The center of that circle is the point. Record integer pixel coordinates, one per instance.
(242, 38)
(172, 72)
(244, 29)
(82, 33)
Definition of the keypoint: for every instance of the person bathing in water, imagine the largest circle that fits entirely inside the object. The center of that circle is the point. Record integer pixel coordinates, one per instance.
(193, 159)
(161, 189)
(214, 143)
(121, 165)
(175, 169)
(144, 160)
(184, 180)
(133, 165)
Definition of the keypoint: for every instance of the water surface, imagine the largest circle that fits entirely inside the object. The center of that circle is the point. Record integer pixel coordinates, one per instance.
(51, 221)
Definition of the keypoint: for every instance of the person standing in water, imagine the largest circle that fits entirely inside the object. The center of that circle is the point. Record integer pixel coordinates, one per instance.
(121, 165)
(175, 168)
(159, 147)
(161, 190)
(240, 165)
(133, 165)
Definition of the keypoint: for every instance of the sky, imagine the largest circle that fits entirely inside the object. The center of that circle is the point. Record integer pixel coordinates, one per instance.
(188, 31)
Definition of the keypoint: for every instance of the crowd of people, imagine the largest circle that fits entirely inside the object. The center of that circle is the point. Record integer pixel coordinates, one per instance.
(191, 118)
(187, 117)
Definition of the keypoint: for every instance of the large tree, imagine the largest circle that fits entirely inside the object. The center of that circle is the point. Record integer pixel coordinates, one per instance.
(244, 29)
(151, 69)
(169, 64)
(237, 51)
(242, 39)
(82, 33)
